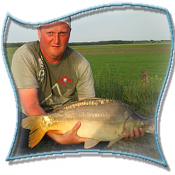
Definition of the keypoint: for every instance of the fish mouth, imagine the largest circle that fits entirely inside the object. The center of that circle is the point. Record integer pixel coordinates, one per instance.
(150, 129)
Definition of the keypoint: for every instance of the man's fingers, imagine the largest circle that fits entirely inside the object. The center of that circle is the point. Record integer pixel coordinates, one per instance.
(131, 135)
(142, 133)
(81, 139)
(76, 127)
(136, 133)
(126, 138)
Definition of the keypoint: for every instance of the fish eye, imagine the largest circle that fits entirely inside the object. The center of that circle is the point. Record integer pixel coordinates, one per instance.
(143, 123)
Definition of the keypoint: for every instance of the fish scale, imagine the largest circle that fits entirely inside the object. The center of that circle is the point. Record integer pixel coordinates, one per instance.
(101, 120)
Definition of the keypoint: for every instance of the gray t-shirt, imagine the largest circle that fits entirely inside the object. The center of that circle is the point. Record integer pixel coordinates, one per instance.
(56, 83)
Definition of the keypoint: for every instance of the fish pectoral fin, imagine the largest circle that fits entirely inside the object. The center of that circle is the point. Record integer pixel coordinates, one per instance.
(113, 141)
(56, 132)
(89, 143)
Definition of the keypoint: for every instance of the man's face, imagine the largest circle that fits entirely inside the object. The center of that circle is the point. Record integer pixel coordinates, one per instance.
(54, 38)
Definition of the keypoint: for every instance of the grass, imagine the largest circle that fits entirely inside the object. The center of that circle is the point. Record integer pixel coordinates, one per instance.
(129, 66)
(142, 99)
(9, 54)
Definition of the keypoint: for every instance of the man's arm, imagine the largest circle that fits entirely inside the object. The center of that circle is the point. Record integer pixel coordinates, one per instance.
(29, 99)
(79, 99)
(69, 137)
(30, 102)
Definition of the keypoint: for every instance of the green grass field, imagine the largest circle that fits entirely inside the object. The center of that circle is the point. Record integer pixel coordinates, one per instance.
(129, 66)
(129, 60)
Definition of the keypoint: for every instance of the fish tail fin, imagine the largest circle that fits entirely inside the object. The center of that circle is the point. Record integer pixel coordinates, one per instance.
(36, 131)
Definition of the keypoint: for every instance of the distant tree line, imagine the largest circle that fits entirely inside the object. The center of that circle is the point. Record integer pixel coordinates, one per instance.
(116, 42)
(6, 45)
(100, 43)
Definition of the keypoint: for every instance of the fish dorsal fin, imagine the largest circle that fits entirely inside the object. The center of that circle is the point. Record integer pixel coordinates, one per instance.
(89, 143)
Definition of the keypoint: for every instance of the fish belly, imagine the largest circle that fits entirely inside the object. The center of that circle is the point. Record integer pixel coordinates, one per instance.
(102, 131)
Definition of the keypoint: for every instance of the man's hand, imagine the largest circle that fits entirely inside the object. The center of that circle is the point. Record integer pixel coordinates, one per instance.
(69, 137)
(134, 135)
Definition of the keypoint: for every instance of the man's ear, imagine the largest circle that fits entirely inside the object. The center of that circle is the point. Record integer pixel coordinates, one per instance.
(39, 32)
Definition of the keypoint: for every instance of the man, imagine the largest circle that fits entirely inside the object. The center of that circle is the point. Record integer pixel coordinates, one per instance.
(47, 73)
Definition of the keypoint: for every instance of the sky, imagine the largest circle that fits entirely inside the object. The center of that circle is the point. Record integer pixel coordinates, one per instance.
(103, 25)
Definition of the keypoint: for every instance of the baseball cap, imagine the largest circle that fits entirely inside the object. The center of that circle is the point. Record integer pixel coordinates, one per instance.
(65, 20)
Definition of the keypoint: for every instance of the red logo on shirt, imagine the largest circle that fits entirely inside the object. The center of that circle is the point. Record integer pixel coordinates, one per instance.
(65, 80)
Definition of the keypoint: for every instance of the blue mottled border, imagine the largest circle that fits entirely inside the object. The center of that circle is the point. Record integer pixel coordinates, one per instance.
(103, 153)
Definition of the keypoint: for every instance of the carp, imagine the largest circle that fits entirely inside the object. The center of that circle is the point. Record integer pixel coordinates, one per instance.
(101, 120)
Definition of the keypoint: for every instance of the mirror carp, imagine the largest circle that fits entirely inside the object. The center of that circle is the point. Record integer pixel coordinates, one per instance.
(101, 120)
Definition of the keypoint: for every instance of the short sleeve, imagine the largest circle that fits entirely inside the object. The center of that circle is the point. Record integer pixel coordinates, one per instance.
(85, 85)
(24, 68)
